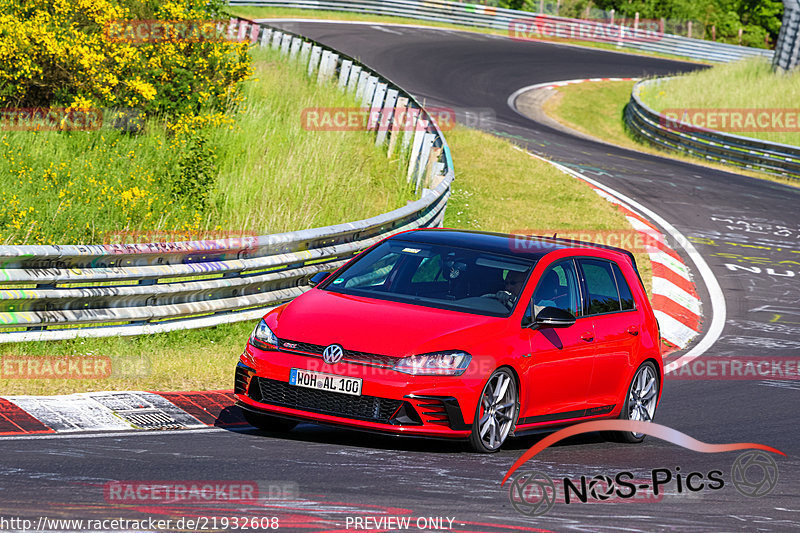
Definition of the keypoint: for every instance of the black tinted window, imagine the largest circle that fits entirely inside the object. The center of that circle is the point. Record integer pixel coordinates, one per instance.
(625, 296)
(437, 276)
(601, 287)
(558, 287)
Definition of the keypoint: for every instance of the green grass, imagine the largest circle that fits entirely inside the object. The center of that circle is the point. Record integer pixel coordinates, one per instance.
(743, 84)
(288, 12)
(597, 109)
(267, 173)
(594, 108)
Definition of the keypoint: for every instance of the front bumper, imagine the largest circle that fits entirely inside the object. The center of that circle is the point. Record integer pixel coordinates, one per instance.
(391, 402)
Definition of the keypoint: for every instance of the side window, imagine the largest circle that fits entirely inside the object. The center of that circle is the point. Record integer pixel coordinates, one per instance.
(602, 292)
(558, 287)
(625, 296)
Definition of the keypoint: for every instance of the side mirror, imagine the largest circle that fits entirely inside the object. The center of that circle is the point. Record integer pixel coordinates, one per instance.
(553, 317)
(318, 278)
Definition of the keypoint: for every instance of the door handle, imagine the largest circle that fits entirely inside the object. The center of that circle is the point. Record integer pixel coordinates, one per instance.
(587, 336)
(633, 330)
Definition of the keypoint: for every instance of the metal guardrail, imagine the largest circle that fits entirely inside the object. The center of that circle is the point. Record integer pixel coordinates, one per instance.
(774, 158)
(57, 292)
(514, 22)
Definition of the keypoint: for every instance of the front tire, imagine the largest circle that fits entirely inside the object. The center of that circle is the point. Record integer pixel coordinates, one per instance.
(267, 422)
(640, 401)
(496, 412)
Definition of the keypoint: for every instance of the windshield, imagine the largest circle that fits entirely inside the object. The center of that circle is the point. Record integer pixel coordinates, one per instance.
(436, 276)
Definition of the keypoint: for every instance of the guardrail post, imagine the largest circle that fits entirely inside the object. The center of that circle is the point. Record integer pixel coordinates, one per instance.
(313, 63)
(419, 134)
(411, 123)
(398, 121)
(285, 42)
(296, 43)
(243, 27)
(434, 166)
(266, 33)
(375, 109)
(344, 72)
(387, 115)
(352, 82)
(305, 51)
(363, 76)
(333, 61)
(369, 90)
(323, 66)
(424, 158)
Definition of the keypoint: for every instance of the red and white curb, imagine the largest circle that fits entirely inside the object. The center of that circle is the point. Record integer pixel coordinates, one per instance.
(675, 301)
(117, 411)
(674, 296)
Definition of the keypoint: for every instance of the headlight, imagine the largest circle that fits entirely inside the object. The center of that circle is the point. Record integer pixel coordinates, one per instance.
(263, 338)
(435, 364)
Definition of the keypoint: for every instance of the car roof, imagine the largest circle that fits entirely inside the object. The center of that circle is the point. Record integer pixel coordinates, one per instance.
(531, 247)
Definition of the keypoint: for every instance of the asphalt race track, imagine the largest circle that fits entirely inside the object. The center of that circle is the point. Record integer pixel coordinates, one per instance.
(748, 231)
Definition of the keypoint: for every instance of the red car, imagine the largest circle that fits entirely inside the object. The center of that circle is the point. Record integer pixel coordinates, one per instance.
(459, 334)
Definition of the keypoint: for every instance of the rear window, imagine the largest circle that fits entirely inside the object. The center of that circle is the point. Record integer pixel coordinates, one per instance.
(601, 287)
(625, 296)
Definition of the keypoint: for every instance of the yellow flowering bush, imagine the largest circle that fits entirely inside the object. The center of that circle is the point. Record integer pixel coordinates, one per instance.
(67, 53)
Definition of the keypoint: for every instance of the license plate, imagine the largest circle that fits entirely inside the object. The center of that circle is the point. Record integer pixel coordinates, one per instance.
(327, 382)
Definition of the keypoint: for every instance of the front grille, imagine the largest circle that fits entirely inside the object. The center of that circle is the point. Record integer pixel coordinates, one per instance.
(369, 408)
(352, 356)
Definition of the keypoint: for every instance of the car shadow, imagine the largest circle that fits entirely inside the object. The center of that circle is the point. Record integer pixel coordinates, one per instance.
(231, 419)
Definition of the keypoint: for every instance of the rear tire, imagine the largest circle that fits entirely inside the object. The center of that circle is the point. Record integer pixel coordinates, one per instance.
(495, 413)
(268, 422)
(640, 402)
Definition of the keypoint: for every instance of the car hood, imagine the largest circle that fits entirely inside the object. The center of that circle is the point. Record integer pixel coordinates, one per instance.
(378, 326)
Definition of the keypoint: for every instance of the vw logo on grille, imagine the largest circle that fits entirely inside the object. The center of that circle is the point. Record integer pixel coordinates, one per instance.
(333, 354)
